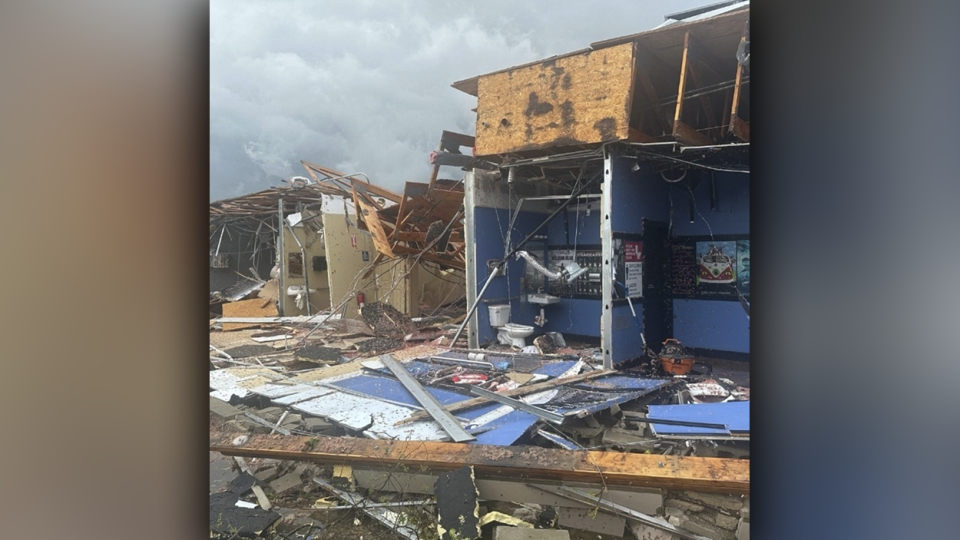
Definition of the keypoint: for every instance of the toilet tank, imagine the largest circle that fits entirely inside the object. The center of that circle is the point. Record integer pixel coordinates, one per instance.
(499, 314)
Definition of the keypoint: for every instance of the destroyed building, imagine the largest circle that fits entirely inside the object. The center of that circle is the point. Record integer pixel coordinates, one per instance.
(319, 226)
(601, 226)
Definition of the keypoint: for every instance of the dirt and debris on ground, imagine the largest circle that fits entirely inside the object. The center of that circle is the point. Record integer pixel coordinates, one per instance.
(318, 352)
(387, 320)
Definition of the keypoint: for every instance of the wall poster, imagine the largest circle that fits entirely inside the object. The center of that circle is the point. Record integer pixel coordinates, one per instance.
(743, 267)
(714, 268)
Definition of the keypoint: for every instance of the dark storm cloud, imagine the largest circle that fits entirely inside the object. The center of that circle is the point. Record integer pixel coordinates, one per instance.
(365, 86)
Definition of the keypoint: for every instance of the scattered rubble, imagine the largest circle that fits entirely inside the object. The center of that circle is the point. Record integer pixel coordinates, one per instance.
(386, 320)
(393, 427)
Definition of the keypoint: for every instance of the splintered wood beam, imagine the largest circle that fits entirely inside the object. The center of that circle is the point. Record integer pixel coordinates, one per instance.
(380, 239)
(717, 475)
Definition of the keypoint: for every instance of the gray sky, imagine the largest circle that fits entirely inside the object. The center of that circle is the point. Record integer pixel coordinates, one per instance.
(364, 86)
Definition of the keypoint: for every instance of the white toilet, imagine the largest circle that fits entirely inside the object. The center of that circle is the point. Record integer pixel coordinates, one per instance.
(508, 333)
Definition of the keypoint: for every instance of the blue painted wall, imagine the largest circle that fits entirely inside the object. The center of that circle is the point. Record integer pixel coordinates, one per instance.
(711, 324)
(637, 195)
(584, 229)
(719, 325)
(732, 212)
(708, 324)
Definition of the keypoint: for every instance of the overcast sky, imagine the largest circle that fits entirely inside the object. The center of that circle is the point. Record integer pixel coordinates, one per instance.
(364, 86)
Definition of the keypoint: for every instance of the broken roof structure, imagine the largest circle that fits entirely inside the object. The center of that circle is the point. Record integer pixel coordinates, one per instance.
(603, 215)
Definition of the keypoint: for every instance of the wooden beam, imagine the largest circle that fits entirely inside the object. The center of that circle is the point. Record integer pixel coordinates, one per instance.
(684, 62)
(689, 136)
(521, 391)
(704, 100)
(638, 136)
(651, 92)
(717, 475)
(738, 127)
(380, 239)
(682, 132)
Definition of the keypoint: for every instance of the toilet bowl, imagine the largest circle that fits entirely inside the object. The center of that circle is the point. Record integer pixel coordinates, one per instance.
(514, 334)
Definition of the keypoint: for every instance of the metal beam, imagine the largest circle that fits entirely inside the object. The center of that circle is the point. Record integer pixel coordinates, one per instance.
(388, 518)
(617, 509)
(446, 420)
(517, 404)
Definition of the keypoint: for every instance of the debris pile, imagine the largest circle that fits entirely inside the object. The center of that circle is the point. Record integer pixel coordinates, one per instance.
(326, 392)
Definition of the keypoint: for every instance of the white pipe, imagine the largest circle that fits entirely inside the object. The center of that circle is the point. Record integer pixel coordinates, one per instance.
(539, 267)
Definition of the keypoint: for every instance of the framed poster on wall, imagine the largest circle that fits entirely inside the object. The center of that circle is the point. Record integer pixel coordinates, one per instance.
(710, 268)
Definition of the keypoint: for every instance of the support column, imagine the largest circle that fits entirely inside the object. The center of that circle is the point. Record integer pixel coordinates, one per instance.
(606, 274)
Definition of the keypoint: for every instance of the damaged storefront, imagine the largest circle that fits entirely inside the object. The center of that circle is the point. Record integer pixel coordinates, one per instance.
(575, 370)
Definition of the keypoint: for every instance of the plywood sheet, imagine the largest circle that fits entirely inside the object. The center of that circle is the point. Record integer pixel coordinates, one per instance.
(579, 99)
(255, 307)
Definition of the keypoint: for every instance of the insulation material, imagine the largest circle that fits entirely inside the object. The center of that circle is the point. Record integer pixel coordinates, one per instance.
(579, 99)
(255, 307)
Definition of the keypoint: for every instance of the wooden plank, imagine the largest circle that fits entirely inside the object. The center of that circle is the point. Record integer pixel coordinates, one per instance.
(738, 127)
(689, 136)
(579, 99)
(257, 490)
(458, 138)
(681, 131)
(638, 136)
(716, 475)
(380, 239)
(520, 391)
(684, 66)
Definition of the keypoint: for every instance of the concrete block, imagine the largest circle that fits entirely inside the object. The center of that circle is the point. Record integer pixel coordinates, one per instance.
(725, 521)
(267, 475)
(728, 502)
(285, 482)
(318, 425)
(745, 511)
(743, 530)
(672, 511)
(223, 409)
(683, 505)
(710, 531)
(646, 532)
(590, 520)
(291, 419)
(270, 414)
(522, 533)
(235, 426)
